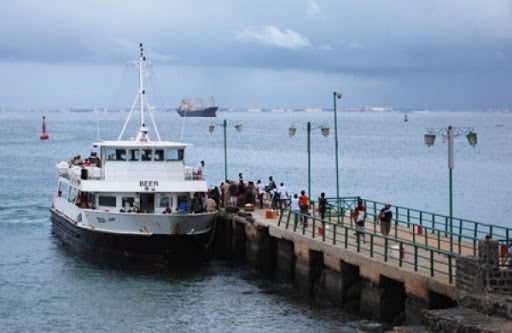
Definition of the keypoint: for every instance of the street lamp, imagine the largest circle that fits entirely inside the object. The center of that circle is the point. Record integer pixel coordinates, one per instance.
(336, 95)
(450, 133)
(325, 132)
(224, 124)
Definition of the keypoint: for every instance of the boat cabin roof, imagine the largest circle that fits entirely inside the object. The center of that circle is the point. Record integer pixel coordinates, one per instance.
(138, 144)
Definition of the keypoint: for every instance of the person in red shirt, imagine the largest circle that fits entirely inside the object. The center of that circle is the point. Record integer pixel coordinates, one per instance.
(304, 206)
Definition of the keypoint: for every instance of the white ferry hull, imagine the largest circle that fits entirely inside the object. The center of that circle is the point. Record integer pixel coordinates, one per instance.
(177, 241)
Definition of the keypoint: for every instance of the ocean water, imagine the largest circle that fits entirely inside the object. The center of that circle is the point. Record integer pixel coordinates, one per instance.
(45, 286)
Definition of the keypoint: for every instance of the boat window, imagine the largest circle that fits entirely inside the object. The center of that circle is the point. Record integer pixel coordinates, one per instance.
(120, 154)
(146, 154)
(105, 200)
(159, 154)
(164, 201)
(64, 190)
(73, 192)
(110, 153)
(128, 202)
(134, 154)
(114, 154)
(175, 154)
(183, 203)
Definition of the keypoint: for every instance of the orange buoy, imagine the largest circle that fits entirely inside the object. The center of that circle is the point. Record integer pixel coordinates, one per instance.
(44, 135)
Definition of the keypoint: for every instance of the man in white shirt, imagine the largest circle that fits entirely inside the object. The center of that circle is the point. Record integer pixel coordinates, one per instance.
(283, 197)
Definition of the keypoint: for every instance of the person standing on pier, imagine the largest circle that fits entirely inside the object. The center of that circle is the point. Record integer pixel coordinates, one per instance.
(304, 206)
(322, 205)
(385, 216)
(260, 190)
(360, 219)
(295, 207)
(225, 193)
(283, 197)
(233, 192)
(271, 184)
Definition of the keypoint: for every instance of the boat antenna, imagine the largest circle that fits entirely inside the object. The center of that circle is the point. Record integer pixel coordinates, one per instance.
(143, 71)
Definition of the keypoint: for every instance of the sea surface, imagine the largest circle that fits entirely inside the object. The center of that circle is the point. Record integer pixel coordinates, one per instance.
(47, 287)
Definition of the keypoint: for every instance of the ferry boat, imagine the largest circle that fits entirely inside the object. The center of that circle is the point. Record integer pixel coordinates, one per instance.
(196, 108)
(134, 197)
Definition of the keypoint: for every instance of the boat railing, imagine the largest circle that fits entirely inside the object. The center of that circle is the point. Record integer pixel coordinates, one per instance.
(192, 174)
(77, 172)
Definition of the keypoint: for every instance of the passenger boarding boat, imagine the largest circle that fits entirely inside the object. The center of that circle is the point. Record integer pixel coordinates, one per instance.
(136, 198)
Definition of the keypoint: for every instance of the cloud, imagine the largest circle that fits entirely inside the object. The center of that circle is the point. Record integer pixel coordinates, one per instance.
(271, 35)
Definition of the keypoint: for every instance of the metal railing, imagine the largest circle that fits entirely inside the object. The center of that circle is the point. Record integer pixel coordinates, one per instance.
(426, 227)
(424, 258)
(418, 238)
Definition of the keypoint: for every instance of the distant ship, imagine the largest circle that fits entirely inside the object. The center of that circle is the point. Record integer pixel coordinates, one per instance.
(196, 108)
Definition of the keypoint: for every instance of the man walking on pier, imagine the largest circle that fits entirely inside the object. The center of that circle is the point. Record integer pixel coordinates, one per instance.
(385, 216)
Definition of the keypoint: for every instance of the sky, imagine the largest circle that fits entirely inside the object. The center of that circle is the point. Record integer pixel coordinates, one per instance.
(423, 54)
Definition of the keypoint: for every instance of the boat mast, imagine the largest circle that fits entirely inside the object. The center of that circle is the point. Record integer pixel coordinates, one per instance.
(142, 68)
(143, 71)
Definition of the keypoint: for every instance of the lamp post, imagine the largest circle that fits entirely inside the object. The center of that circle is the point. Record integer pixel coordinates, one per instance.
(325, 132)
(224, 124)
(336, 95)
(450, 133)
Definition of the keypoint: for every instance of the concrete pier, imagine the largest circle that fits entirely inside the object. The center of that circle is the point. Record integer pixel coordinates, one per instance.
(360, 284)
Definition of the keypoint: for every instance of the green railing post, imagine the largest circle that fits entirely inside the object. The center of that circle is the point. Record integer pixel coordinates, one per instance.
(371, 245)
(386, 247)
(415, 258)
(459, 237)
(401, 254)
(475, 236)
(431, 263)
(450, 273)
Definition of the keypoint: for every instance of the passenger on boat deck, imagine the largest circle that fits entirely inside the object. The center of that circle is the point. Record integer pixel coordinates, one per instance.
(94, 159)
(200, 168)
(84, 204)
(211, 205)
(167, 210)
(77, 160)
(183, 206)
(134, 209)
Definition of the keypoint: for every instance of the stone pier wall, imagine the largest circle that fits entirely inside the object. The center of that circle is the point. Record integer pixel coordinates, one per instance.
(483, 274)
(370, 288)
(319, 271)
